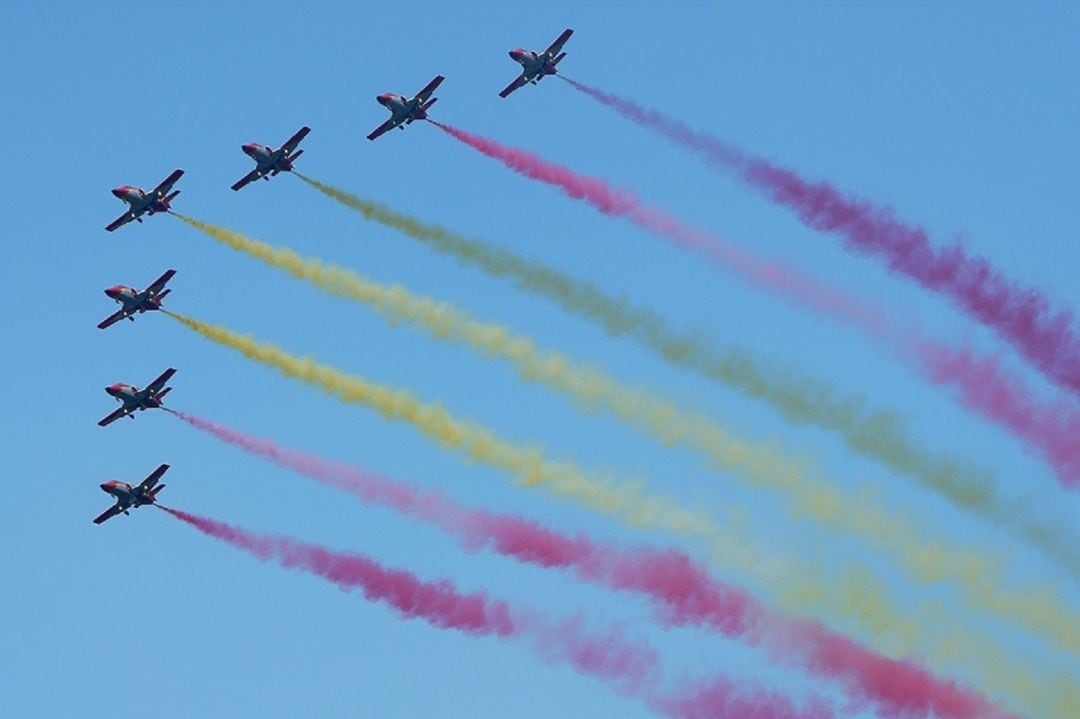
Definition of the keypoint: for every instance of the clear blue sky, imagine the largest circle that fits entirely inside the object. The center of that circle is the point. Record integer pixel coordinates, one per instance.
(964, 116)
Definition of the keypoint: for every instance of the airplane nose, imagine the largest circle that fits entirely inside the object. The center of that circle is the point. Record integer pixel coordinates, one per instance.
(113, 389)
(104, 486)
(248, 148)
(112, 291)
(118, 192)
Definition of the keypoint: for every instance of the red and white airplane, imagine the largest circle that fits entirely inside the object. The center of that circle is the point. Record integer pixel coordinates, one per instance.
(140, 202)
(268, 161)
(132, 398)
(134, 301)
(403, 110)
(536, 66)
(127, 496)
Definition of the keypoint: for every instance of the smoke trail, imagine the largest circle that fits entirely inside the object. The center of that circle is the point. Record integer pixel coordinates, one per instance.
(631, 667)
(993, 391)
(1020, 315)
(795, 287)
(809, 496)
(800, 289)
(528, 464)
(678, 584)
(856, 597)
(880, 436)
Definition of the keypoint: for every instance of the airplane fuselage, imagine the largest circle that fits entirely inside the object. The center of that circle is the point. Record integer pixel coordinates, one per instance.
(132, 300)
(534, 66)
(403, 109)
(267, 158)
(134, 398)
(126, 495)
(139, 202)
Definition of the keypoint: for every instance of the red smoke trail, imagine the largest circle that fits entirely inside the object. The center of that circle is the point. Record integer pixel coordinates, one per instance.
(624, 203)
(1020, 315)
(1037, 428)
(632, 667)
(683, 588)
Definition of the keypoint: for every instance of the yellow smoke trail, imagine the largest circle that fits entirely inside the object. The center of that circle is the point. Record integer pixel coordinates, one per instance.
(1041, 611)
(804, 589)
(877, 435)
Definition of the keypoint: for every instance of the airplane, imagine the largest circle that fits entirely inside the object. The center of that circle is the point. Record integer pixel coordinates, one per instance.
(141, 202)
(134, 301)
(268, 161)
(127, 496)
(134, 398)
(535, 66)
(403, 110)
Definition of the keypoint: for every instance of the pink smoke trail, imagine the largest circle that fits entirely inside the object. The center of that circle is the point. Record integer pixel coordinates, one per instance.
(632, 667)
(988, 388)
(683, 589)
(1039, 433)
(618, 202)
(1021, 316)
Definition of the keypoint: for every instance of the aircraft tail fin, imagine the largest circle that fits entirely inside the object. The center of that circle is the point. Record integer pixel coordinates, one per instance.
(164, 392)
(171, 196)
(429, 103)
(558, 59)
(298, 153)
(161, 295)
(155, 490)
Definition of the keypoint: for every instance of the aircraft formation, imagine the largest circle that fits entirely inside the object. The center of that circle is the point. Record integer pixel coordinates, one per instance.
(860, 665)
(269, 162)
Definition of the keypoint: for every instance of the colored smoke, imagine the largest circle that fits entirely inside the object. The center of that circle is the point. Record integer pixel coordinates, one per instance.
(683, 589)
(1022, 316)
(631, 667)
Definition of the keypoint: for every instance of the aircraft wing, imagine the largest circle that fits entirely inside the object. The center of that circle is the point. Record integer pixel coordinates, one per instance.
(157, 285)
(518, 82)
(113, 319)
(424, 94)
(160, 381)
(152, 479)
(108, 514)
(250, 177)
(388, 125)
(166, 184)
(295, 140)
(112, 417)
(120, 221)
(556, 47)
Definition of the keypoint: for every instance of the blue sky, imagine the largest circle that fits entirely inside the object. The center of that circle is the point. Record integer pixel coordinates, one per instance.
(963, 116)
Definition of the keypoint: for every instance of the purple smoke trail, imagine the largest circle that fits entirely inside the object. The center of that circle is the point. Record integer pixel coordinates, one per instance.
(1022, 316)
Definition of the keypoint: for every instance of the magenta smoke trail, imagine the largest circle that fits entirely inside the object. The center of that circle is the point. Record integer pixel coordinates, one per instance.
(1020, 315)
(683, 588)
(1040, 428)
(988, 388)
(632, 667)
(617, 202)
